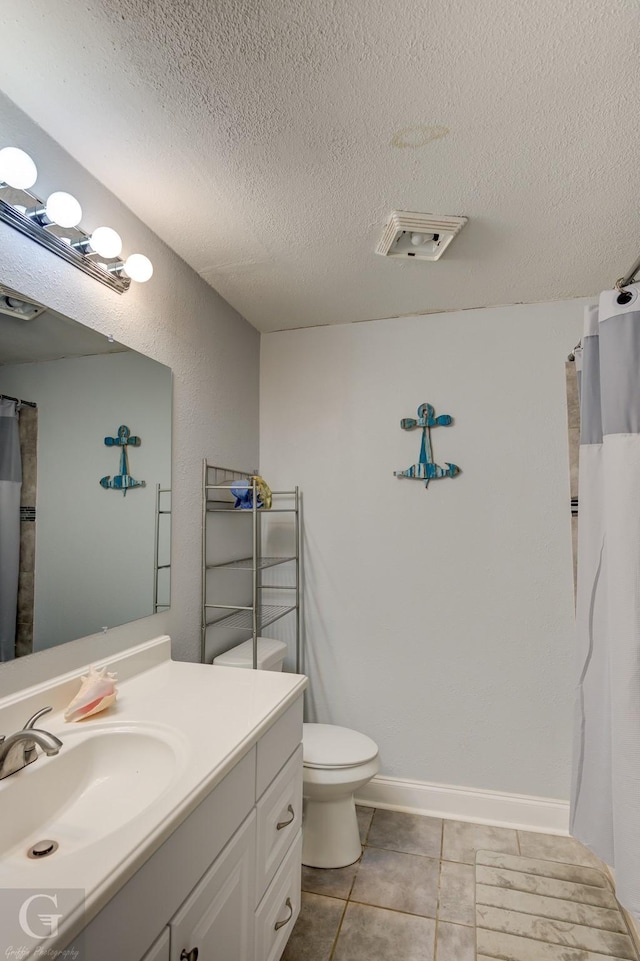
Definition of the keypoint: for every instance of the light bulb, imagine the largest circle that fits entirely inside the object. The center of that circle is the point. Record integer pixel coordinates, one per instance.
(17, 168)
(63, 209)
(418, 240)
(138, 267)
(106, 242)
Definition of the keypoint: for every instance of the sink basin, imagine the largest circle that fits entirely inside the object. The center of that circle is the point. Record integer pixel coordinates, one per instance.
(100, 780)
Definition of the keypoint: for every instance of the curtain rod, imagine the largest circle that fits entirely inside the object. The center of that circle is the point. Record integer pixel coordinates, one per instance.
(25, 403)
(619, 285)
(629, 276)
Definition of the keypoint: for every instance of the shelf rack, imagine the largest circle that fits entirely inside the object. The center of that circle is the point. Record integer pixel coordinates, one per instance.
(255, 617)
(157, 567)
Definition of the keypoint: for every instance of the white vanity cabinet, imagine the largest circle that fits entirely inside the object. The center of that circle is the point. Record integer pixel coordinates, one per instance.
(227, 881)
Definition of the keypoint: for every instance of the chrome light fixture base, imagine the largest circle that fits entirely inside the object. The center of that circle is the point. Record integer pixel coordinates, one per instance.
(32, 229)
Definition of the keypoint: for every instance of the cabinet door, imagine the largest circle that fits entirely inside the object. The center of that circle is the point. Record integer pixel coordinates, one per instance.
(217, 917)
(160, 948)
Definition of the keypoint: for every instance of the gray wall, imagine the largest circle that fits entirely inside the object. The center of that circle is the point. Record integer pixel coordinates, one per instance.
(175, 318)
(439, 621)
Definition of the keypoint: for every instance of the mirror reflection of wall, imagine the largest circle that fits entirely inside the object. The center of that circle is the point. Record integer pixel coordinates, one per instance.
(88, 556)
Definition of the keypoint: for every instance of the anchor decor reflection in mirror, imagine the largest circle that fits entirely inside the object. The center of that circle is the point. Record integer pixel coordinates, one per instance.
(426, 469)
(122, 481)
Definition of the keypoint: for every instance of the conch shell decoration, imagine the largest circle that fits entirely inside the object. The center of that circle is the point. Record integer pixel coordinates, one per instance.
(97, 691)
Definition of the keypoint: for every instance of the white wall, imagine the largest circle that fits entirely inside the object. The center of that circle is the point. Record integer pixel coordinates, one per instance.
(94, 559)
(438, 621)
(177, 319)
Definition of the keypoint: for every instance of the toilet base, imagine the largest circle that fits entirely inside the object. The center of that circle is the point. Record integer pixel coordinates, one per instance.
(330, 835)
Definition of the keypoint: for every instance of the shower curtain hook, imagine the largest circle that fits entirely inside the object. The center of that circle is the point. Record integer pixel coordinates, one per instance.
(572, 355)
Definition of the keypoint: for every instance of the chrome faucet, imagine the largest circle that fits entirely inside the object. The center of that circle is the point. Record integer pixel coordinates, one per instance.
(19, 749)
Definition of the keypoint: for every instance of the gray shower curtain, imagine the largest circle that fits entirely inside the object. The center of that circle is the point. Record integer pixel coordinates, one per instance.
(10, 484)
(605, 797)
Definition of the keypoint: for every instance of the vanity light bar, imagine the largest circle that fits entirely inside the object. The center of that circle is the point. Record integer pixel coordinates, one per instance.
(18, 173)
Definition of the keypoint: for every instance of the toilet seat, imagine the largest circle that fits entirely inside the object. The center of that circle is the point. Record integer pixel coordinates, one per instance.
(326, 746)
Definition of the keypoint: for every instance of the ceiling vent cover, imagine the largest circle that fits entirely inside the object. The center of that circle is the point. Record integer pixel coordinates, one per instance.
(423, 236)
(15, 305)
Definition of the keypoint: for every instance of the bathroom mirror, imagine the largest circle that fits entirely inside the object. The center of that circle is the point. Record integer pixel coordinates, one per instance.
(94, 545)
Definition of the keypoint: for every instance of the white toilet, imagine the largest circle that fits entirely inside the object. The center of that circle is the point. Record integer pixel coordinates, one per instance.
(336, 762)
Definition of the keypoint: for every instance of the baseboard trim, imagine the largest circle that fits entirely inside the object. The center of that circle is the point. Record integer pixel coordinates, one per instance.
(467, 804)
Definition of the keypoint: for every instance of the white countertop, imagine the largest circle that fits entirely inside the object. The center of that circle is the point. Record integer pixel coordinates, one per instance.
(209, 716)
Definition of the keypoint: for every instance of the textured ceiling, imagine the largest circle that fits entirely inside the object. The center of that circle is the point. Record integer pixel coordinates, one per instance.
(266, 140)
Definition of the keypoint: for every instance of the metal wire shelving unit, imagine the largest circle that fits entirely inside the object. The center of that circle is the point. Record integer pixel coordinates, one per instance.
(252, 618)
(158, 604)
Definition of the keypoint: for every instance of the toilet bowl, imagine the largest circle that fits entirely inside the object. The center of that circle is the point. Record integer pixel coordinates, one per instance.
(336, 762)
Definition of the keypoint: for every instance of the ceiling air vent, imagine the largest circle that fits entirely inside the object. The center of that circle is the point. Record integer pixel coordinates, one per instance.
(14, 305)
(423, 236)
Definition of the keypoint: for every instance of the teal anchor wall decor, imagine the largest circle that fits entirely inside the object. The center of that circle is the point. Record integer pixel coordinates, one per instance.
(426, 469)
(122, 481)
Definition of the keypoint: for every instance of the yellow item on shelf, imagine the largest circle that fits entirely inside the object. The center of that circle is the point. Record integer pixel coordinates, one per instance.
(264, 491)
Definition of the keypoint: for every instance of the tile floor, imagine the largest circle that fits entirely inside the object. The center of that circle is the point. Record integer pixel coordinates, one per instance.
(411, 897)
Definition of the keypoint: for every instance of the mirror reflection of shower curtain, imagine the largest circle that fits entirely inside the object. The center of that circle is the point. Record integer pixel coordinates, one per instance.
(10, 485)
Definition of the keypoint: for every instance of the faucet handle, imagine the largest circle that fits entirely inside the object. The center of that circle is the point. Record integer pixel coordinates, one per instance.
(32, 720)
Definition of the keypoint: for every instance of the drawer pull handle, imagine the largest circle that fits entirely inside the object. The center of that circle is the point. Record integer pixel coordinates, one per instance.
(283, 824)
(189, 955)
(281, 924)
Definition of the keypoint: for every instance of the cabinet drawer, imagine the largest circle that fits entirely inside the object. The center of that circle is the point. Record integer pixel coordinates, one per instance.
(279, 820)
(159, 951)
(216, 917)
(280, 907)
(277, 746)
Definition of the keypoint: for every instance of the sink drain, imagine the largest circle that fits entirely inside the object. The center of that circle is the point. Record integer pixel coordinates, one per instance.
(42, 849)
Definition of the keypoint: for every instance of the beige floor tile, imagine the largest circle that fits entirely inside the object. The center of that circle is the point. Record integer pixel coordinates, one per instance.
(550, 931)
(461, 840)
(410, 833)
(456, 901)
(314, 934)
(561, 910)
(496, 944)
(555, 848)
(404, 882)
(455, 942)
(333, 882)
(373, 934)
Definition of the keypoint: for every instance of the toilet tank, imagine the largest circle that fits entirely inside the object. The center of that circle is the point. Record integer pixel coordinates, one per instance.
(271, 655)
